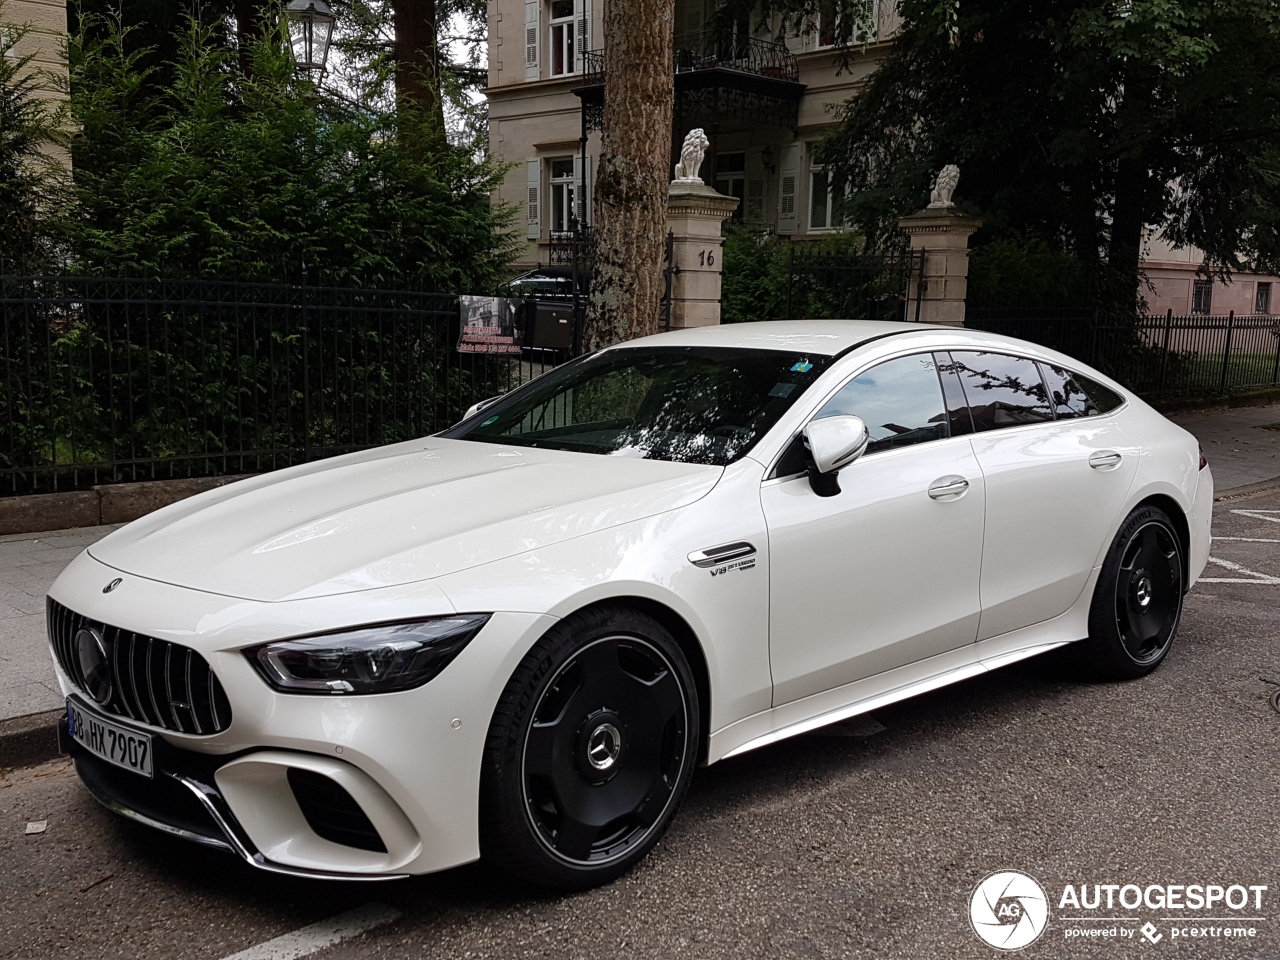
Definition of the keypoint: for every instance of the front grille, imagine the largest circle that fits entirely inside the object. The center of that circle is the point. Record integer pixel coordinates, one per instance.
(332, 812)
(154, 682)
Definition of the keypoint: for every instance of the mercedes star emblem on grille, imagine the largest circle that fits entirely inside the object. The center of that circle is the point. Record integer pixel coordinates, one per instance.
(94, 663)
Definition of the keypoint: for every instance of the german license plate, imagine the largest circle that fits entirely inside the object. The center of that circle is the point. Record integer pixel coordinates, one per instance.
(110, 741)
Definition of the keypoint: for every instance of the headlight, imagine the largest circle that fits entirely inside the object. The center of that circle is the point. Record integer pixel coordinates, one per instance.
(381, 659)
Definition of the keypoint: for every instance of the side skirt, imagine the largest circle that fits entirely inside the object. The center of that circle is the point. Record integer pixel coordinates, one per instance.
(872, 693)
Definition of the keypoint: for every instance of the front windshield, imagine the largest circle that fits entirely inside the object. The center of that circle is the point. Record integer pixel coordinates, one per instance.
(690, 404)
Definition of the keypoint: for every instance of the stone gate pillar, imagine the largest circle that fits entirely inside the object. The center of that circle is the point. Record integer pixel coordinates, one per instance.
(942, 232)
(695, 213)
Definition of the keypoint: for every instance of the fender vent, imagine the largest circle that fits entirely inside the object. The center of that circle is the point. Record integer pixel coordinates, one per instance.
(332, 812)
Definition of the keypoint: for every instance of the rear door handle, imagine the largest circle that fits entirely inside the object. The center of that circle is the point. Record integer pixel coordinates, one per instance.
(1104, 459)
(949, 487)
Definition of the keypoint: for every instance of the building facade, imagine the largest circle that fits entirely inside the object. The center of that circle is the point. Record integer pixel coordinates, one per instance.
(1174, 284)
(764, 104)
(45, 43)
(765, 98)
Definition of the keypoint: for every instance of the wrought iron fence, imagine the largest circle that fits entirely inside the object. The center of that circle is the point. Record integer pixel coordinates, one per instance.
(118, 380)
(826, 283)
(1156, 356)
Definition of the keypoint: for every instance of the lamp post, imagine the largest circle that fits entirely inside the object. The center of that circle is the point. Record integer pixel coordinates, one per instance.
(310, 32)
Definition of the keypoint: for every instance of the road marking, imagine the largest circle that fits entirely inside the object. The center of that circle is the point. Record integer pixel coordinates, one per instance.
(1253, 575)
(318, 936)
(1248, 539)
(1267, 515)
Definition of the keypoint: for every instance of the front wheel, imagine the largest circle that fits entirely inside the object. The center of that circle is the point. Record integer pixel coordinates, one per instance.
(590, 751)
(1137, 603)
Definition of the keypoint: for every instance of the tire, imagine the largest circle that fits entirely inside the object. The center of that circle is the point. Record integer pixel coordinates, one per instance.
(1137, 603)
(590, 751)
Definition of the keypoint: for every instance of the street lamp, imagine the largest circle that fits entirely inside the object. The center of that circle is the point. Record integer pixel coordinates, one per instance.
(310, 31)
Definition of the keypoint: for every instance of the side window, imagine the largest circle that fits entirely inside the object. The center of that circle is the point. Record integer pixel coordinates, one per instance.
(1104, 398)
(1069, 397)
(899, 400)
(1003, 391)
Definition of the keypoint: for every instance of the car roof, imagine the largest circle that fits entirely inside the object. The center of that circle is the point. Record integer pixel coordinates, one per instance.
(819, 337)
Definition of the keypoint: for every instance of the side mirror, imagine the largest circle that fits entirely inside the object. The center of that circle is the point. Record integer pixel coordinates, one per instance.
(833, 443)
(477, 407)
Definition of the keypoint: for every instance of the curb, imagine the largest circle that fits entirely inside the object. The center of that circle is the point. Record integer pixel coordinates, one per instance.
(1262, 397)
(1248, 490)
(26, 741)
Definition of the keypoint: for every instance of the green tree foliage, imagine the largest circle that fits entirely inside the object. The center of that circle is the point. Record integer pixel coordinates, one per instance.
(1080, 125)
(258, 176)
(767, 277)
(32, 181)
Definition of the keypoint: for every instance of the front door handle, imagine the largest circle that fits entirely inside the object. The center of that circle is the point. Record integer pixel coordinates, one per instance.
(950, 487)
(1105, 459)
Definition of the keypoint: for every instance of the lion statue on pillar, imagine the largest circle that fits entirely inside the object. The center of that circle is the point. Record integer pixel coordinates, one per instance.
(944, 187)
(691, 156)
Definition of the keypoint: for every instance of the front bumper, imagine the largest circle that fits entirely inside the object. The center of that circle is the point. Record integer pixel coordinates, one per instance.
(183, 801)
(411, 760)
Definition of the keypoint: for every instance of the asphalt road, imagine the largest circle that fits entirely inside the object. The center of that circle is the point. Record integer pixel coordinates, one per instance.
(852, 842)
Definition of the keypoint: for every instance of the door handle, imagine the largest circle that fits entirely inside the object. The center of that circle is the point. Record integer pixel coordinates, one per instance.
(1105, 459)
(948, 488)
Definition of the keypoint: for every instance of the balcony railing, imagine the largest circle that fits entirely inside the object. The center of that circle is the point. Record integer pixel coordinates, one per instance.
(696, 52)
(709, 51)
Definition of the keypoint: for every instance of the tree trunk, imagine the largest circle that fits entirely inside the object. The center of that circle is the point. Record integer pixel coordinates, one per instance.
(251, 22)
(634, 173)
(418, 62)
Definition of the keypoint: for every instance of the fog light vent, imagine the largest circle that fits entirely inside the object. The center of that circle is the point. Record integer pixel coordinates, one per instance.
(332, 812)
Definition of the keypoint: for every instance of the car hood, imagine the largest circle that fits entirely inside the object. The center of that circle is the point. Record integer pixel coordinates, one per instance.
(392, 516)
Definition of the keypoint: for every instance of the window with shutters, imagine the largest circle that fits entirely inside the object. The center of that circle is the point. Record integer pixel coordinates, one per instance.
(533, 228)
(564, 196)
(563, 47)
(823, 204)
(532, 32)
(864, 27)
(788, 187)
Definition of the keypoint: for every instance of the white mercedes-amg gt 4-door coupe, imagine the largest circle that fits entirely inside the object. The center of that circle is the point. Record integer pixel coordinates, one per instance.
(516, 639)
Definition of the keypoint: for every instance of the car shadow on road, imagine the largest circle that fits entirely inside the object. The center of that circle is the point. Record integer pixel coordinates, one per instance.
(918, 734)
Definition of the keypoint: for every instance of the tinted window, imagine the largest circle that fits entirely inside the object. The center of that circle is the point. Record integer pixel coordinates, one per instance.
(1104, 398)
(1069, 397)
(899, 400)
(691, 404)
(1003, 391)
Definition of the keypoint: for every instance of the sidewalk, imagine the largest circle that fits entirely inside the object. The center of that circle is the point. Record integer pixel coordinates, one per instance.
(1240, 449)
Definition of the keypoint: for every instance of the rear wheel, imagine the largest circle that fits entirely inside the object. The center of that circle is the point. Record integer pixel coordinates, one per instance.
(590, 751)
(1137, 603)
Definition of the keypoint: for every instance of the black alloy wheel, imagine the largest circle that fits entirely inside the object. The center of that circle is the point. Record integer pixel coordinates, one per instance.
(1137, 604)
(590, 751)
